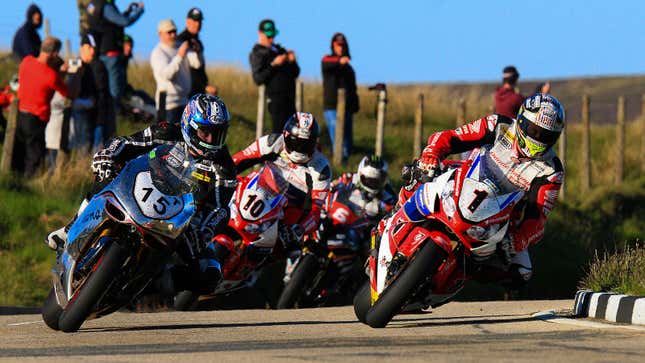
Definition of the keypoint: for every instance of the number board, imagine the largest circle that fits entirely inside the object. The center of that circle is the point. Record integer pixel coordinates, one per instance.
(152, 202)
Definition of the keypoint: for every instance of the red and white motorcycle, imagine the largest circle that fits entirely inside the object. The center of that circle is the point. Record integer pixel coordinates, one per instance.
(256, 209)
(467, 216)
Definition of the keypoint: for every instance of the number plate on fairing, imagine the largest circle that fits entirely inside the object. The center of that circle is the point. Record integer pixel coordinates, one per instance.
(256, 202)
(152, 202)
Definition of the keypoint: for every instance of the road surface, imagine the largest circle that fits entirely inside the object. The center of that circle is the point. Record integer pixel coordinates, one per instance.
(468, 331)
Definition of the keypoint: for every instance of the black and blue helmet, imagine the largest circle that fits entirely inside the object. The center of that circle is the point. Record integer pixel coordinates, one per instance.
(204, 115)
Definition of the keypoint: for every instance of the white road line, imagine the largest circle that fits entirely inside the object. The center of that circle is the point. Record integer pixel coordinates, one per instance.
(552, 317)
(25, 323)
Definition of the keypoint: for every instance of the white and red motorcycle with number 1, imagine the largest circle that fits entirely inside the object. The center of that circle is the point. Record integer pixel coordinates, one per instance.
(465, 216)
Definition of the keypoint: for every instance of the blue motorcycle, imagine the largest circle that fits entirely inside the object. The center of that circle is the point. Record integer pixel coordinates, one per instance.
(122, 239)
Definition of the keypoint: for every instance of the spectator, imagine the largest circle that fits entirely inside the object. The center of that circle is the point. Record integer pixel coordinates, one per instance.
(107, 24)
(103, 112)
(544, 87)
(7, 96)
(338, 73)
(198, 77)
(26, 41)
(55, 135)
(275, 67)
(507, 99)
(171, 70)
(137, 104)
(39, 79)
(84, 106)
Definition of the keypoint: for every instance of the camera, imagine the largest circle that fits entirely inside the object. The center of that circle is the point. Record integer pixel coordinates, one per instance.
(74, 65)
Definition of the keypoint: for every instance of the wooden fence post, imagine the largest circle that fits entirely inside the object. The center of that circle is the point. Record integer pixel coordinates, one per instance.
(620, 139)
(418, 127)
(380, 122)
(586, 145)
(68, 49)
(47, 31)
(643, 134)
(9, 138)
(262, 101)
(339, 133)
(461, 112)
(300, 96)
(563, 157)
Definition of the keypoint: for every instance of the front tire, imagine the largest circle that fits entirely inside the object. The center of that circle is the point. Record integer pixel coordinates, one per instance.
(362, 301)
(300, 278)
(51, 310)
(426, 261)
(81, 305)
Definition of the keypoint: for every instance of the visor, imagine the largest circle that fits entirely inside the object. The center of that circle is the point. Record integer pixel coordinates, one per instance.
(372, 183)
(536, 132)
(218, 133)
(295, 144)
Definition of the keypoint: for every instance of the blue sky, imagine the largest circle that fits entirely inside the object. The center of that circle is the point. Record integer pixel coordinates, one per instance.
(401, 41)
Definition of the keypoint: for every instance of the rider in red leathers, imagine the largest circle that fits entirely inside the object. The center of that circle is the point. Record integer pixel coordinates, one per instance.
(518, 153)
(304, 167)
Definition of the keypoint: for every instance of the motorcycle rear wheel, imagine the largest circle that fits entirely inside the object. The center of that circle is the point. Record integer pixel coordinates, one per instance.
(303, 274)
(426, 262)
(80, 307)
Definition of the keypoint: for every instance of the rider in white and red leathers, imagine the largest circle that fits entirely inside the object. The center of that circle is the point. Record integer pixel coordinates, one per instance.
(305, 168)
(519, 154)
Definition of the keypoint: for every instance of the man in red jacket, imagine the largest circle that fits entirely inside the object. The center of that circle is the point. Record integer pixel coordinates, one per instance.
(39, 79)
(507, 100)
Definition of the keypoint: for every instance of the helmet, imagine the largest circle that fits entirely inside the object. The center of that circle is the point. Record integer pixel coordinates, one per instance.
(203, 115)
(300, 133)
(372, 174)
(539, 124)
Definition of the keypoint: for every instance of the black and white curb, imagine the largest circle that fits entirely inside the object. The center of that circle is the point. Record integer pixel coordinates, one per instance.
(612, 307)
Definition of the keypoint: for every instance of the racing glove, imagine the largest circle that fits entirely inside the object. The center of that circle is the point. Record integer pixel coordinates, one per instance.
(103, 166)
(429, 162)
(205, 225)
(291, 236)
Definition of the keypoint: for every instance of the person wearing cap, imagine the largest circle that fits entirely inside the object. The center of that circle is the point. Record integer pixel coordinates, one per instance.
(337, 72)
(26, 41)
(171, 69)
(507, 99)
(107, 23)
(39, 79)
(199, 79)
(276, 67)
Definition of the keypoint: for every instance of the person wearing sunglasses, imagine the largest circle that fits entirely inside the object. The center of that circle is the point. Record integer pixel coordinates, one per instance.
(171, 63)
(518, 154)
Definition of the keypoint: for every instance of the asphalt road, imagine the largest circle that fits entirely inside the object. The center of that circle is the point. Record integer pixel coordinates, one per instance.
(474, 331)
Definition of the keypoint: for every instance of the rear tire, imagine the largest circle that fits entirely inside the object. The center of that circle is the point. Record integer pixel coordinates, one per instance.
(51, 310)
(77, 310)
(362, 302)
(300, 278)
(426, 262)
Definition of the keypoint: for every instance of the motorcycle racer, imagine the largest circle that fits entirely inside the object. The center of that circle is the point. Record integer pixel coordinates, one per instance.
(519, 154)
(305, 168)
(200, 135)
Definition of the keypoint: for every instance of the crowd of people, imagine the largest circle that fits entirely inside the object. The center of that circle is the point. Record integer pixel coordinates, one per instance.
(87, 93)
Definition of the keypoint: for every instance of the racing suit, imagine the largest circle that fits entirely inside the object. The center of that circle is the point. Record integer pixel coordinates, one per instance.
(540, 178)
(308, 183)
(375, 206)
(216, 183)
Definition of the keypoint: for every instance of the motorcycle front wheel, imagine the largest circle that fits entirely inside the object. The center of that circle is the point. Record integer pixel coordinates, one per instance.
(425, 263)
(302, 276)
(84, 300)
(362, 301)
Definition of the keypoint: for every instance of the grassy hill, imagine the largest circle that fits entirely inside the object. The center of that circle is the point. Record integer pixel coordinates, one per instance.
(605, 217)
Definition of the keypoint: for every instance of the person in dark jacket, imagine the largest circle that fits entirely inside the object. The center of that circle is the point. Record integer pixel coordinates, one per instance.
(275, 67)
(507, 99)
(198, 77)
(107, 24)
(338, 73)
(26, 41)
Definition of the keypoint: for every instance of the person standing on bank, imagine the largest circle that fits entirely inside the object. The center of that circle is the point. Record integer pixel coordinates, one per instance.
(507, 99)
(275, 67)
(338, 73)
(198, 77)
(171, 69)
(26, 41)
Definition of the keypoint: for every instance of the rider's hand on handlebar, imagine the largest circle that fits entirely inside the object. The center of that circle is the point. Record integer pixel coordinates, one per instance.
(103, 166)
(291, 235)
(429, 162)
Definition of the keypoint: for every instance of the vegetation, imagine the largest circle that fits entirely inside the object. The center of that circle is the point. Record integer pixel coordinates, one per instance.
(620, 272)
(605, 218)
